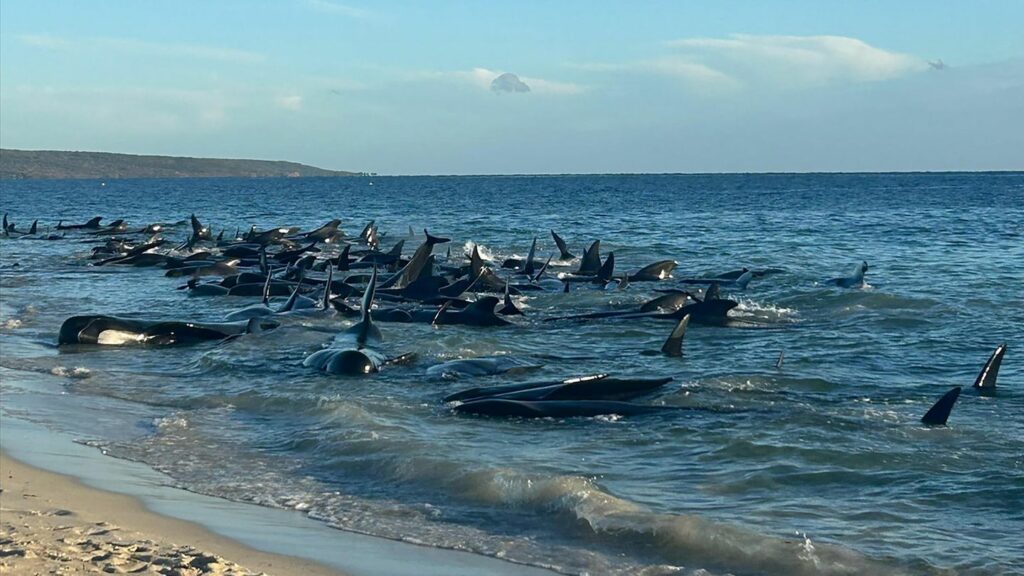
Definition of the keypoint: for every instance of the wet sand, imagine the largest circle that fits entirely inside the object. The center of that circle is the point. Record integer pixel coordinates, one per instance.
(52, 524)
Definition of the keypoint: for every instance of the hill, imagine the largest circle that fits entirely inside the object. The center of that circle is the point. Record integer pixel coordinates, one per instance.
(25, 164)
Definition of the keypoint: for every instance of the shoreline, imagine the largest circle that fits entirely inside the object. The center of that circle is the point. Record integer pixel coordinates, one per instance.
(53, 523)
(103, 492)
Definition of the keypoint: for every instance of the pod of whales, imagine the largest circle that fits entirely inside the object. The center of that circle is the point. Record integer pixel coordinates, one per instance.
(419, 288)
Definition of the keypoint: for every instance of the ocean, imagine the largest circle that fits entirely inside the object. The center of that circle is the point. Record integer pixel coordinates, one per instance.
(818, 467)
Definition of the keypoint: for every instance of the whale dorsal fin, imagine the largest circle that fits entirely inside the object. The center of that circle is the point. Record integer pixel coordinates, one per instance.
(744, 279)
(367, 231)
(476, 262)
(713, 292)
(591, 262)
(607, 269)
(509, 309)
(543, 269)
(365, 328)
(34, 228)
(396, 250)
(368, 294)
(266, 285)
(990, 372)
(290, 303)
(327, 287)
(939, 412)
(528, 267)
(441, 311)
(673, 346)
(562, 248)
(263, 259)
(782, 357)
(343, 258)
(253, 326)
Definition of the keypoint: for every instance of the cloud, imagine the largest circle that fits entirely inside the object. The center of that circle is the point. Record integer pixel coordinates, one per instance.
(509, 82)
(337, 8)
(135, 46)
(127, 110)
(785, 62)
(44, 41)
(290, 102)
(795, 60)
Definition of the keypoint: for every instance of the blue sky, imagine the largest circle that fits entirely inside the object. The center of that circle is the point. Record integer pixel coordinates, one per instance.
(413, 88)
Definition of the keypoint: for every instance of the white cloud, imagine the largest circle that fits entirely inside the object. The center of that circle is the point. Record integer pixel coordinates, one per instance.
(196, 51)
(127, 110)
(744, 60)
(541, 86)
(290, 102)
(337, 8)
(135, 46)
(44, 41)
(795, 60)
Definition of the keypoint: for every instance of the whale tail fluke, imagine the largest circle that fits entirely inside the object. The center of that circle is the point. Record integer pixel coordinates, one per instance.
(939, 412)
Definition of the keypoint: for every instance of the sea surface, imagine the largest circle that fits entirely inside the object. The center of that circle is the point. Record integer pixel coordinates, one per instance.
(820, 467)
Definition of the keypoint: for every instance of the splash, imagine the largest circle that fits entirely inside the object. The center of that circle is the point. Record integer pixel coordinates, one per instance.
(78, 372)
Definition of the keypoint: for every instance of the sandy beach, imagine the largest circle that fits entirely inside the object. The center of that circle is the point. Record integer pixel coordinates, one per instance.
(51, 524)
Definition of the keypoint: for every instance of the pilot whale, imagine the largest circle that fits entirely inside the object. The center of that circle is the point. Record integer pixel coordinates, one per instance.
(351, 352)
(855, 280)
(595, 387)
(480, 366)
(115, 331)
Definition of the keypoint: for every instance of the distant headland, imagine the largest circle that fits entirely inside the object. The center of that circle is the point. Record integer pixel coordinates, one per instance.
(56, 164)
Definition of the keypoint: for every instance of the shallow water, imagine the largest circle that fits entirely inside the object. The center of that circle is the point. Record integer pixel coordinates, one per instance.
(820, 467)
